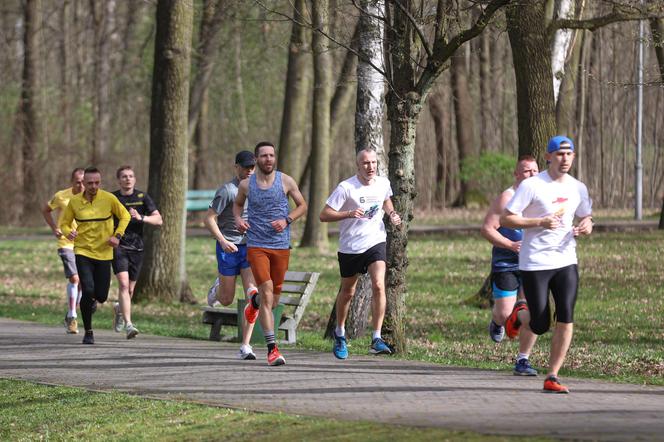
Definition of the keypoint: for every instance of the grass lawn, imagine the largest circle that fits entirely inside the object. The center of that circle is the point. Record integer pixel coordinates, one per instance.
(42, 412)
(619, 331)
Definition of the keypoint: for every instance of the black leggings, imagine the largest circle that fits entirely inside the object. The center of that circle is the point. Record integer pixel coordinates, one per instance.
(563, 282)
(95, 277)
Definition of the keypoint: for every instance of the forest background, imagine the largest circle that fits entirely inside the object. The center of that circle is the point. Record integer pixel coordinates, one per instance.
(93, 72)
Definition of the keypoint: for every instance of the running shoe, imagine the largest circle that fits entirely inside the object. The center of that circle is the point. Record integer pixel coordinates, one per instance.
(131, 331)
(212, 294)
(512, 324)
(89, 337)
(118, 319)
(250, 312)
(246, 353)
(379, 347)
(496, 332)
(340, 349)
(71, 325)
(523, 368)
(553, 385)
(274, 358)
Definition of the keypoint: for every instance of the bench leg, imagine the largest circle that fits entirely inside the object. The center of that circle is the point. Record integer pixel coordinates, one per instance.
(290, 335)
(215, 331)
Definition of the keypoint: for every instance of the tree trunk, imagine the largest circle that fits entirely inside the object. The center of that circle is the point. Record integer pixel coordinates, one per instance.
(29, 113)
(65, 73)
(463, 112)
(565, 106)
(208, 46)
(369, 112)
(531, 56)
(296, 97)
(436, 108)
(403, 115)
(104, 18)
(201, 144)
(163, 276)
(560, 46)
(657, 30)
(239, 85)
(315, 232)
(487, 133)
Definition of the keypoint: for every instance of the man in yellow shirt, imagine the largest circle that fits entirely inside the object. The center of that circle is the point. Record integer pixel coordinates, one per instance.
(59, 202)
(94, 240)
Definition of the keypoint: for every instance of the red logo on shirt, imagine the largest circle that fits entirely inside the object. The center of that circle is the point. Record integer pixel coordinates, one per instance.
(559, 200)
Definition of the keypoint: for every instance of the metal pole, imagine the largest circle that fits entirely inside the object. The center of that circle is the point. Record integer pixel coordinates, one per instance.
(638, 206)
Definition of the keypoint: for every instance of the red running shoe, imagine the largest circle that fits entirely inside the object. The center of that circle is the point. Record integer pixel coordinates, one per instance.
(512, 324)
(274, 358)
(553, 385)
(250, 312)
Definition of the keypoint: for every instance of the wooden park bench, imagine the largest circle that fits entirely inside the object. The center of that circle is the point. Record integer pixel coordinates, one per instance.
(199, 200)
(295, 294)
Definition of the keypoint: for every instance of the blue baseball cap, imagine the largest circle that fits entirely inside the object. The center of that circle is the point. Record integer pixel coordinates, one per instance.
(559, 142)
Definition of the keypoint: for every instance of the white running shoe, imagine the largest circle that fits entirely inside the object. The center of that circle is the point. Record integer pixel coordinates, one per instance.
(118, 319)
(131, 331)
(212, 294)
(246, 353)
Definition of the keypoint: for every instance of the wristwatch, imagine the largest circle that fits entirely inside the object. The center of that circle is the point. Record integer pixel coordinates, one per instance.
(289, 220)
(118, 236)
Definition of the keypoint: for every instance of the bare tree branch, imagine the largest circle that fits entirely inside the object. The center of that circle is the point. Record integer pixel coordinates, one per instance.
(416, 26)
(443, 51)
(620, 12)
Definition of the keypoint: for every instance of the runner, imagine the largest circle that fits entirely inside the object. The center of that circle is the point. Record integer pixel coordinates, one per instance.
(232, 247)
(505, 275)
(359, 203)
(268, 237)
(59, 202)
(546, 206)
(94, 240)
(128, 256)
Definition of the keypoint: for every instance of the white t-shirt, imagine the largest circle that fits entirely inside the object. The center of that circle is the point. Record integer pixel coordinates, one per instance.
(357, 235)
(540, 196)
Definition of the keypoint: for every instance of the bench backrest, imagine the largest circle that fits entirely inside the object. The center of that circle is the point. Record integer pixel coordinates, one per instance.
(296, 291)
(199, 200)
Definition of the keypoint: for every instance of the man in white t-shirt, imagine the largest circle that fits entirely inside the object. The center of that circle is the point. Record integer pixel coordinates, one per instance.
(359, 204)
(546, 206)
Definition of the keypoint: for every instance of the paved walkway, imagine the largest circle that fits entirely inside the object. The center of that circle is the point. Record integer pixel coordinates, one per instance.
(365, 388)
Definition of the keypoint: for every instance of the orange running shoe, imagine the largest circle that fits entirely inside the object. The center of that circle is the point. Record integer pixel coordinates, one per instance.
(553, 385)
(250, 312)
(274, 358)
(512, 324)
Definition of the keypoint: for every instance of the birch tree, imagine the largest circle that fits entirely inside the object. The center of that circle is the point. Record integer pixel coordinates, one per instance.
(562, 41)
(369, 114)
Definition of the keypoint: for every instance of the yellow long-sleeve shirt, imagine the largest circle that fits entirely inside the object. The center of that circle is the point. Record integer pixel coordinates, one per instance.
(95, 223)
(59, 203)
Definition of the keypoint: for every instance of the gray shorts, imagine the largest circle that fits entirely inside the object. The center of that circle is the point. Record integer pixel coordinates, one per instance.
(68, 261)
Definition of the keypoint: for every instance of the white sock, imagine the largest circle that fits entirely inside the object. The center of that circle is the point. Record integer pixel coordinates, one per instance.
(72, 296)
(520, 356)
(375, 335)
(251, 291)
(244, 348)
(340, 331)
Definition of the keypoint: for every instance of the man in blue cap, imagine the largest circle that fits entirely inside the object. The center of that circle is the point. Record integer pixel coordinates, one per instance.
(547, 206)
(231, 246)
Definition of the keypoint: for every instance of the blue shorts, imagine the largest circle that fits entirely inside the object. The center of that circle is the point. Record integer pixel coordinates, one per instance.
(230, 264)
(505, 284)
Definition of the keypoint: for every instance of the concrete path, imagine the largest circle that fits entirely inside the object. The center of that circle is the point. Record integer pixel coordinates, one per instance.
(361, 388)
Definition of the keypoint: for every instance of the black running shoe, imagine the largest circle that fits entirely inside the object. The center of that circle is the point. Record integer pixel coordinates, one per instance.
(89, 337)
